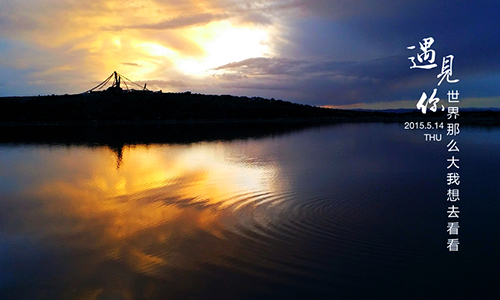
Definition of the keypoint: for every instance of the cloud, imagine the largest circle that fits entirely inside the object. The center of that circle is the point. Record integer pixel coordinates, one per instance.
(363, 45)
(319, 51)
(380, 69)
(229, 76)
(256, 18)
(175, 23)
(168, 83)
(323, 82)
(379, 28)
(263, 66)
(131, 64)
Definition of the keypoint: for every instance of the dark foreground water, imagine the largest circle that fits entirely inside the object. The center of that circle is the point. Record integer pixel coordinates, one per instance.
(352, 211)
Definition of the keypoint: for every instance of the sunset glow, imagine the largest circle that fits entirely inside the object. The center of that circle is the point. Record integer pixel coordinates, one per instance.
(223, 44)
(324, 53)
(116, 196)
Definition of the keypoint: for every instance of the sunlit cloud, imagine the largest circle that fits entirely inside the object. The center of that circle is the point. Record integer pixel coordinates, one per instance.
(157, 40)
(175, 23)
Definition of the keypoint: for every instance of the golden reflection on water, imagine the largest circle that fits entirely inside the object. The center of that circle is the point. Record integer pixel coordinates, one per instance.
(143, 212)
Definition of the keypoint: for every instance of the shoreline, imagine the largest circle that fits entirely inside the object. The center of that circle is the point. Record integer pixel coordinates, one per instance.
(399, 118)
(105, 108)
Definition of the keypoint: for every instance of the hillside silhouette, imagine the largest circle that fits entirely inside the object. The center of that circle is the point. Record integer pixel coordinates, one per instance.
(117, 106)
(156, 106)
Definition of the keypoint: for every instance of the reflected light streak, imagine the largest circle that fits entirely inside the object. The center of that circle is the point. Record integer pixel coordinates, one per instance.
(166, 190)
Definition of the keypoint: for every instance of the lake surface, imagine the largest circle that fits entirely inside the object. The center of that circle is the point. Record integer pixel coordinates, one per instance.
(349, 211)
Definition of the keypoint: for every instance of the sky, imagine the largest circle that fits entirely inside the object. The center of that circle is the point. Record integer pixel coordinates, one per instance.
(334, 53)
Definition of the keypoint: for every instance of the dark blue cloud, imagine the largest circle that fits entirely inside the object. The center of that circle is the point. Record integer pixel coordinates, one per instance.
(355, 51)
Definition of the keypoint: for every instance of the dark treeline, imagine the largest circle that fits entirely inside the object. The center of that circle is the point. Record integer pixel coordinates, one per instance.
(139, 107)
(144, 106)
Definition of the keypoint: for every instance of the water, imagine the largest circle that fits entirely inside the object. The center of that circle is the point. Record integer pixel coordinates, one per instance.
(350, 211)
